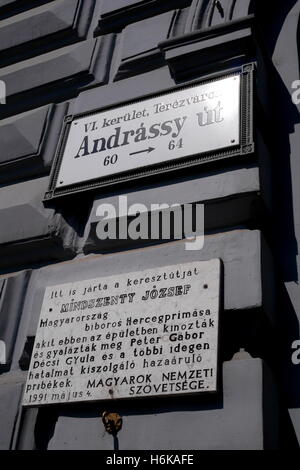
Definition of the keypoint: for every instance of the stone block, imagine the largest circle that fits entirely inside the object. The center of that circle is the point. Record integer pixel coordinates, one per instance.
(228, 196)
(32, 233)
(144, 36)
(60, 74)
(11, 390)
(123, 90)
(206, 51)
(118, 14)
(12, 291)
(28, 32)
(9, 8)
(140, 44)
(29, 142)
(209, 14)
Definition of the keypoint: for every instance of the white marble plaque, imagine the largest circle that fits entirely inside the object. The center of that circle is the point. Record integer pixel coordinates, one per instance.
(139, 334)
(197, 119)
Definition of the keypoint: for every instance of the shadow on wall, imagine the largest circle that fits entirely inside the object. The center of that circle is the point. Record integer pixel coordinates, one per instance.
(281, 126)
(285, 118)
(44, 427)
(289, 332)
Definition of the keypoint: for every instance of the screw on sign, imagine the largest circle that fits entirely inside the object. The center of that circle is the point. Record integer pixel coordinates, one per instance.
(112, 422)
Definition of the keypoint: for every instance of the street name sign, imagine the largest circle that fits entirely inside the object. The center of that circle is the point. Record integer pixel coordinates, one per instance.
(184, 127)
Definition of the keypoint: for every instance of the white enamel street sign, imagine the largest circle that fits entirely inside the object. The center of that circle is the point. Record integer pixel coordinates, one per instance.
(198, 119)
(140, 334)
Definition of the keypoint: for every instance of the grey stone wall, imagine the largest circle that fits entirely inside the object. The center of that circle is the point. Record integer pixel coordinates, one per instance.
(65, 57)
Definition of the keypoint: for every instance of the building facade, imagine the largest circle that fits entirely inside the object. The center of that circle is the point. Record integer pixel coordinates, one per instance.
(75, 58)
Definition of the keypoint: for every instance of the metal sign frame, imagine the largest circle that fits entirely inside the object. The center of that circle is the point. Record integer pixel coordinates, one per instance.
(245, 146)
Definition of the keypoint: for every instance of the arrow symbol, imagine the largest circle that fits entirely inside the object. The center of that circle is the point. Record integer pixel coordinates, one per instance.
(150, 149)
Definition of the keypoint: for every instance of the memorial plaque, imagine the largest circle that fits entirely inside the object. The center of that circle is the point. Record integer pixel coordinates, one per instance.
(141, 334)
(207, 120)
